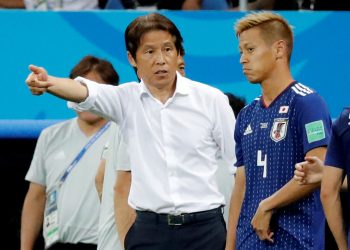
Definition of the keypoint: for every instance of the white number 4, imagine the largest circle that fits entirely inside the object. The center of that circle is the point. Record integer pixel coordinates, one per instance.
(262, 162)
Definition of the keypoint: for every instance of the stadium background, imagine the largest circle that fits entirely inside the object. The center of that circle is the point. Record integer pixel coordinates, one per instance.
(58, 40)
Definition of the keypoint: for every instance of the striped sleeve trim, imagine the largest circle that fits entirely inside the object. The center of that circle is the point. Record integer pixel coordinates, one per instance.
(302, 90)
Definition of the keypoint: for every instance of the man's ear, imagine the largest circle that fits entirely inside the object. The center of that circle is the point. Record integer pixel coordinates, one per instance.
(131, 60)
(280, 48)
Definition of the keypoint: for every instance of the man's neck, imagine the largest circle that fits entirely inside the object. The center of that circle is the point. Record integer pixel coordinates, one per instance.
(90, 128)
(273, 88)
(163, 93)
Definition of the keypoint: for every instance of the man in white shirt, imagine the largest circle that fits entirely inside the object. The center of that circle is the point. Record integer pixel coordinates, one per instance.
(176, 130)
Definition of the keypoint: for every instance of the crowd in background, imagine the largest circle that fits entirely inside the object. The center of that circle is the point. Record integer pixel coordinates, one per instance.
(177, 5)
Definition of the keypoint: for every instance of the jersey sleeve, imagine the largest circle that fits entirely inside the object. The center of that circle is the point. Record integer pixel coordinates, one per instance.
(335, 153)
(313, 121)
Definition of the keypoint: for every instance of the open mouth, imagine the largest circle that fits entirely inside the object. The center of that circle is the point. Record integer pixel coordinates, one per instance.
(161, 72)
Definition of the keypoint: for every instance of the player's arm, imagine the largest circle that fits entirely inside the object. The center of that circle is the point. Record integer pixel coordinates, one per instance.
(289, 193)
(32, 215)
(330, 197)
(237, 197)
(309, 171)
(124, 214)
(40, 82)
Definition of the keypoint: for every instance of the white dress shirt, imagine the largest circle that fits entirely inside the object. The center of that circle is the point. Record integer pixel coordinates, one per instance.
(174, 147)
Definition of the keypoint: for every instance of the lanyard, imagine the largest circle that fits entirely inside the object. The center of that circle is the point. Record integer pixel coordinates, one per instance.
(83, 151)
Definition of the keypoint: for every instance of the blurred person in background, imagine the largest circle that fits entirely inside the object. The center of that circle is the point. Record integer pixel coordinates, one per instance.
(61, 196)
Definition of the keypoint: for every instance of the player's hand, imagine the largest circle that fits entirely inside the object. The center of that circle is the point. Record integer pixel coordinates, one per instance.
(37, 80)
(261, 222)
(309, 171)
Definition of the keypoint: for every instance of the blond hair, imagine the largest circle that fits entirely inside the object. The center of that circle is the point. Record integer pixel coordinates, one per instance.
(273, 27)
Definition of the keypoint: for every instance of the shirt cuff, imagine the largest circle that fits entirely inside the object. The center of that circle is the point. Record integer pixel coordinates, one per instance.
(90, 100)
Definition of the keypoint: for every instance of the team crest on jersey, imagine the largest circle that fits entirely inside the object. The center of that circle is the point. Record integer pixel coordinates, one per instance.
(279, 129)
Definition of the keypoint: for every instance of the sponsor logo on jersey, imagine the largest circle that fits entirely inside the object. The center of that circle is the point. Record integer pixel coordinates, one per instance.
(248, 130)
(283, 110)
(279, 129)
(264, 124)
(315, 131)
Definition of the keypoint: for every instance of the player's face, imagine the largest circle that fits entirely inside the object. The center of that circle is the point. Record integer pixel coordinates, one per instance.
(156, 59)
(181, 65)
(87, 116)
(257, 56)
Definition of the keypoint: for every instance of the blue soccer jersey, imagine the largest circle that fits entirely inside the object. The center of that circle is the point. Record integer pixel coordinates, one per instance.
(269, 142)
(338, 153)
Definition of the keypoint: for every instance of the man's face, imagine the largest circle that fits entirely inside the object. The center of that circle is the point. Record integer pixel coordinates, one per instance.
(156, 59)
(87, 116)
(257, 57)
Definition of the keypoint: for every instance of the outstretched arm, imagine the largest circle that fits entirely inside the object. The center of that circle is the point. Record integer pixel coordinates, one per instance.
(39, 82)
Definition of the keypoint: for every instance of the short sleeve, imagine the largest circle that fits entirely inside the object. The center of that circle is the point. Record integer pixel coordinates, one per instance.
(116, 152)
(122, 161)
(336, 151)
(37, 172)
(313, 121)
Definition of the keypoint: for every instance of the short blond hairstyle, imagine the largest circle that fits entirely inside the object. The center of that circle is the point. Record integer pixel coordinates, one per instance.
(273, 27)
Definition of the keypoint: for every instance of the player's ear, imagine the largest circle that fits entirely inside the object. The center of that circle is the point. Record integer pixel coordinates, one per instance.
(280, 48)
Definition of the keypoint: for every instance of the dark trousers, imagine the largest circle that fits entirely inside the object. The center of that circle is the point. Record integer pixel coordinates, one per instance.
(70, 246)
(149, 232)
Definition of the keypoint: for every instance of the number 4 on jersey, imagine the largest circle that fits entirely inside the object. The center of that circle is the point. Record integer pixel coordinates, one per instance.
(262, 162)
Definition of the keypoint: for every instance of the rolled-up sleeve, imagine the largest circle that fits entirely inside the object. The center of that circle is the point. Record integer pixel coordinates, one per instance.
(103, 100)
(89, 101)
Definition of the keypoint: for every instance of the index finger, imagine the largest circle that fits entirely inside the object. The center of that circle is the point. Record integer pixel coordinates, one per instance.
(36, 69)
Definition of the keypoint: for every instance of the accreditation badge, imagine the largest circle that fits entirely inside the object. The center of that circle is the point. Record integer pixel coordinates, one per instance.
(51, 230)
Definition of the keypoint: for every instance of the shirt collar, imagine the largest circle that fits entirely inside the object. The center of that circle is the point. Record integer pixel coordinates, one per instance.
(182, 86)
